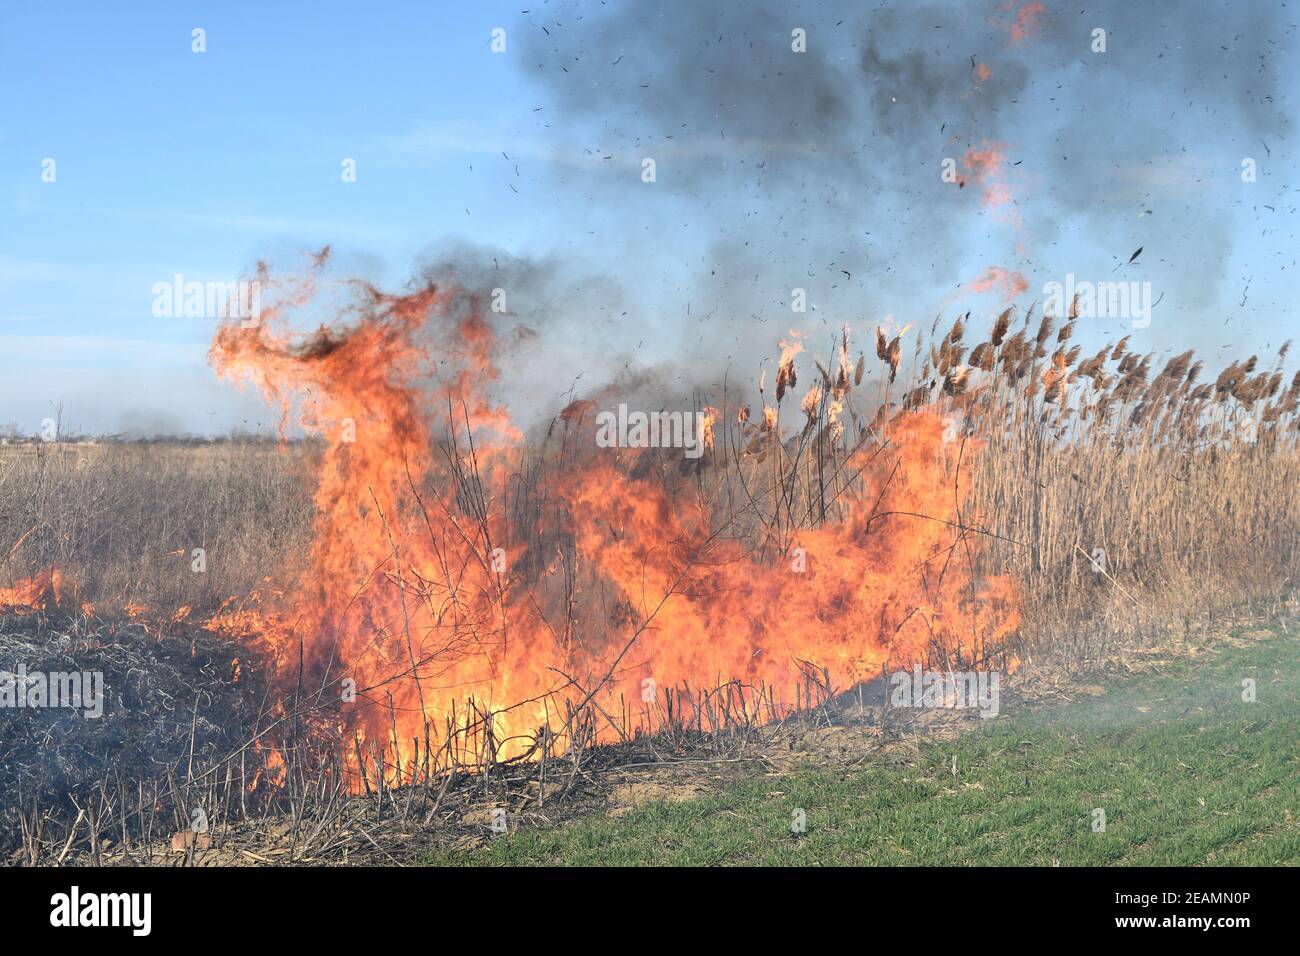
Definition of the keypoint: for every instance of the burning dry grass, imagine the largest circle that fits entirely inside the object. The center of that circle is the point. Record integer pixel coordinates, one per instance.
(503, 607)
(487, 596)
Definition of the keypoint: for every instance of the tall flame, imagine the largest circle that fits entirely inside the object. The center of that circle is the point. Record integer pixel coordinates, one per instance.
(454, 560)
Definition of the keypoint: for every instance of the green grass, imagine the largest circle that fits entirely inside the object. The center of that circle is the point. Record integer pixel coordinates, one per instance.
(1200, 777)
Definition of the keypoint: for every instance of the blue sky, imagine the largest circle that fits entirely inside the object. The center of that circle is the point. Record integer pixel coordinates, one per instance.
(172, 162)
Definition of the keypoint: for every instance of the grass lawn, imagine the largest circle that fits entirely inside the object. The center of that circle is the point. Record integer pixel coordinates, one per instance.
(1185, 770)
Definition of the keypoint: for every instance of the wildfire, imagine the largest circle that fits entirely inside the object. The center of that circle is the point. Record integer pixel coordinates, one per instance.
(459, 576)
(37, 593)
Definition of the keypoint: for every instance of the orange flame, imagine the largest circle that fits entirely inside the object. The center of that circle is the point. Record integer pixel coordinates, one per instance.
(1007, 283)
(1025, 23)
(40, 592)
(985, 168)
(449, 565)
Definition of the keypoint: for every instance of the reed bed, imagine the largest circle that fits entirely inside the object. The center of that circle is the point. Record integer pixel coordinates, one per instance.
(1127, 496)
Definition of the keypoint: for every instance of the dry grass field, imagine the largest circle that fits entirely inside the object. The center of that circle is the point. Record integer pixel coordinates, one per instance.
(1009, 505)
(1119, 493)
(121, 519)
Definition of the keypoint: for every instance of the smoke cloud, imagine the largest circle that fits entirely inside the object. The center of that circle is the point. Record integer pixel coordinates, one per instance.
(822, 168)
